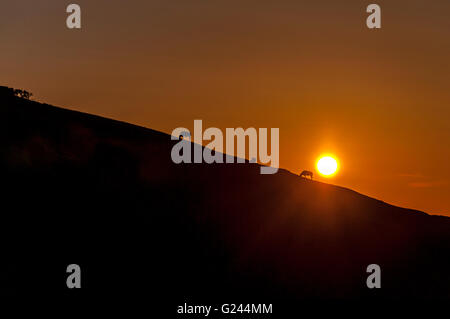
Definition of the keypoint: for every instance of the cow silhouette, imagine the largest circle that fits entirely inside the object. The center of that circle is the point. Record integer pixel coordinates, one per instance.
(305, 174)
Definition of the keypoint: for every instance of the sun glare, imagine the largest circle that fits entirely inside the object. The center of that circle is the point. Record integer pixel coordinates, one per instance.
(327, 166)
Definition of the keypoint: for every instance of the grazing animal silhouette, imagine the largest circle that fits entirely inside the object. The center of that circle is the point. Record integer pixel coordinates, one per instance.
(305, 174)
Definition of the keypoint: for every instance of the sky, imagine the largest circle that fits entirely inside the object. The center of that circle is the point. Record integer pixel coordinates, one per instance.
(377, 99)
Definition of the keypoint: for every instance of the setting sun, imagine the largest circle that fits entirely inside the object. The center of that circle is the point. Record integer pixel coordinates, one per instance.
(327, 166)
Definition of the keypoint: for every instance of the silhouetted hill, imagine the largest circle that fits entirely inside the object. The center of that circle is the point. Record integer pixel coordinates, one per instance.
(78, 188)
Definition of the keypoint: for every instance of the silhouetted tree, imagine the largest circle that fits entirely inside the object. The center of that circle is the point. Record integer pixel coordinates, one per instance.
(6, 91)
(23, 94)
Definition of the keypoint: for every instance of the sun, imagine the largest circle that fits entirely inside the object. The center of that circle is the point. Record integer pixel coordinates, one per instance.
(327, 166)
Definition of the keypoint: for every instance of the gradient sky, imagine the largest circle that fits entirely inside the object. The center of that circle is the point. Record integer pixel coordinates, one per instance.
(378, 99)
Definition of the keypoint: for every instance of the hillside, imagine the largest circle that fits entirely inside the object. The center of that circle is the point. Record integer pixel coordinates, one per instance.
(78, 188)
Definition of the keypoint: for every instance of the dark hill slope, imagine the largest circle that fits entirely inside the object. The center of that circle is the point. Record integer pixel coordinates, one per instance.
(82, 189)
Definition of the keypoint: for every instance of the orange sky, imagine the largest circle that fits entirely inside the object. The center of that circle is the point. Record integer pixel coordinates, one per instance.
(379, 100)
